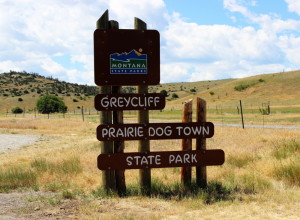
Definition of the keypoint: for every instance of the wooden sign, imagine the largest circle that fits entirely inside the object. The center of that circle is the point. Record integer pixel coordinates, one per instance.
(155, 131)
(117, 102)
(120, 161)
(126, 57)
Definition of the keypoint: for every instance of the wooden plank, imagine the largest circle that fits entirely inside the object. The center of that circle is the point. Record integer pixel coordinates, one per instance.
(186, 144)
(161, 159)
(116, 102)
(155, 131)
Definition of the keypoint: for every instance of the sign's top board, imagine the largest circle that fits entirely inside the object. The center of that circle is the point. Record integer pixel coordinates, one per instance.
(126, 57)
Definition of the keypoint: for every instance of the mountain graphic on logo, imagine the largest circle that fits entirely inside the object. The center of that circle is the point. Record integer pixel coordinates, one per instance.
(126, 57)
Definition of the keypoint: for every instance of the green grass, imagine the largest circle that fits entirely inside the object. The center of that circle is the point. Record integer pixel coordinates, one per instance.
(214, 192)
(16, 177)
(68, 166)
(247, 183)
(285, 149)
(240, 161)
(289, 173)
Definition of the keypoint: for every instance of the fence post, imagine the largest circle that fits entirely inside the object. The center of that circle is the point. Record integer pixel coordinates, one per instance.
(108, 177)
(82, 113)
(143, 118)
(186, 144)
(201, 178)
(242, 114)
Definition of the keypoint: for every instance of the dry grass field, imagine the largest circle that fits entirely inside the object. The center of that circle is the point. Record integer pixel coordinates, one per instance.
(57, 177)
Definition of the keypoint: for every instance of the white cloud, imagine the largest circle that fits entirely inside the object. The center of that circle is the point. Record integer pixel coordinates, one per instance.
(294, 6)
(209, 43)
(32, 32)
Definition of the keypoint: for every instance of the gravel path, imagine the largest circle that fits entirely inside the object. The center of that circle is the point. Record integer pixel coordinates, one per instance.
(14, 141)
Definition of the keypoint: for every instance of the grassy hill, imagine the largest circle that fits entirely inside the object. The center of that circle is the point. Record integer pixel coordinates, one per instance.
(23, 89)
(280, 89)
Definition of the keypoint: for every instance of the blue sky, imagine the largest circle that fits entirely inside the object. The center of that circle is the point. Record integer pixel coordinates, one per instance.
(200, 40)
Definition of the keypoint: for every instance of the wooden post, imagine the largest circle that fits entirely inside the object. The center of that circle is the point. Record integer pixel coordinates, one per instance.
(108, 177)
(186, 144)
(118, 145)
(143, 118)
(201, 178)
(82, 113)
(242, 114)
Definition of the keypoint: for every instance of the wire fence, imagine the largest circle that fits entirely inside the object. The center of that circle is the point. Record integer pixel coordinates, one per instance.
(262, 114)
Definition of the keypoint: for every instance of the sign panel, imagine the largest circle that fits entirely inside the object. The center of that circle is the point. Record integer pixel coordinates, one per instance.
(155, 131)
(121, 161)
(126, 57)
(117, 102)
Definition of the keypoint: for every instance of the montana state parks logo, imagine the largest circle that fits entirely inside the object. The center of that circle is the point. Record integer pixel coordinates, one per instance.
(133, 62)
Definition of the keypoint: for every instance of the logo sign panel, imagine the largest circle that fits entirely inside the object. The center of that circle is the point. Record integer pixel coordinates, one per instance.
(120, 161)
(126, 57)
(117, 102)
(133, 62)
(155, 131)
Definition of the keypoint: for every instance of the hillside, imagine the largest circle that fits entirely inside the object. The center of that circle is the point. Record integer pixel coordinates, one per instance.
(279, 89)
(23, 89)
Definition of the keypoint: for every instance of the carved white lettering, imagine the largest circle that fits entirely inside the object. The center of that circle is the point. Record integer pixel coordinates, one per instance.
(129, 161)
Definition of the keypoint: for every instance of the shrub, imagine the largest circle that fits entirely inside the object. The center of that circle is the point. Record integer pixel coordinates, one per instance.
(75, 100)
(241, 87)
(211, 93)
(49, 104)
(261, 80)
(17, 110)
(164, 92)
(193, 90)
(20, 99)
(174, 96)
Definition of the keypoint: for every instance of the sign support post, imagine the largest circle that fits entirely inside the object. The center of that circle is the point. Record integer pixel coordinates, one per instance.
(108, 176)
(118, 119)
(143, 118)
(201, 177)
(186, 144)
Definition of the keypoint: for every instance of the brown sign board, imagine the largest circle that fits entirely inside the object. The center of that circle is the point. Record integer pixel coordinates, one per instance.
(155, 131)
(126, 57)
(117, 102)
(121, 161)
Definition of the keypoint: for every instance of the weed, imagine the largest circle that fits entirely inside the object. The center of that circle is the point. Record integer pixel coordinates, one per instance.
(66, 194)
(103, 193)
(53, 187)
(16, 177)
(247, 183)
(41, 165)
(69, 166)
(240, 161)
(285, 149)
(214, 192)
(289, 172)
